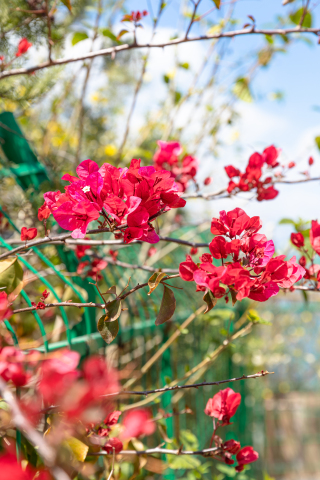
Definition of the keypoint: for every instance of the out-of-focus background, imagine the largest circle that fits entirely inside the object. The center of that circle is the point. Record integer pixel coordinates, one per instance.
(115, 109)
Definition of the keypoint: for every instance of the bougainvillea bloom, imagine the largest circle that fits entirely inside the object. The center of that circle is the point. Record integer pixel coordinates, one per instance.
(182, 170)
(248, 267)
(129, 198)
(297, 239)
(245, 456)
(311, 161)
(315, 236)
(252, 177)
(23, 47)
(223, 405)
(134, 16)
(231, 446)
(43, 213)
(137, 423)
(28, 233)
(5, 310)
(11, 468)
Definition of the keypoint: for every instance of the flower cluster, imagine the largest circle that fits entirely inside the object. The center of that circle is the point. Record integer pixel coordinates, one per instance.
(251, 270)
(127, 198)
(182, 170)
(23, 47)
(92, 268)
(222, 407)
(312, 272)
(251, 179)
(134, 16)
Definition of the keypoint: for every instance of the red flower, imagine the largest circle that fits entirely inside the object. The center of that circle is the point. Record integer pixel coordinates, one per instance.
(193, 250)
(207, 181)
(297, 239)
(12, 366)
(137, 423)
(187, 268)
(11, 469)
(270, 155)
(245, 456)
(315, 236)
(231, 171)
(114, 254)
(267, 194)
(40, 306)
(28, 233)
(23, 47)
(45, 294)
(223, 405)
(112, 418)
(291, 165)
(303, 261)
(134, 16)
(113, 445)
(311, 161)
(43, 213)
(231, 446)
(152, 251)
(218, 247)
(5, 310)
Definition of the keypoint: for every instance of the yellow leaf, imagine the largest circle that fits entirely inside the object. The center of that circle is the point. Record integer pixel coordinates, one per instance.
(154, 280)
(78, 448)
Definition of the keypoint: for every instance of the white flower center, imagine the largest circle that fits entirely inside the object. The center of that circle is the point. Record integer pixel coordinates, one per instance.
(86, 189)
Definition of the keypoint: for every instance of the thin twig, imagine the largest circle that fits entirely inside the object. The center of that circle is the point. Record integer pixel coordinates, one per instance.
(178, 41)
(207, 452)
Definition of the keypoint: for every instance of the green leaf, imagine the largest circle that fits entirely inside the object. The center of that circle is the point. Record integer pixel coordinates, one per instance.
(184, 65)
(177, 463)
(284, 221)
(254, 317)
(230, 471)
(108, 330)
(154, 280)
(106, 32)
(177, 97)
(317, 140)
(166, 79)
(78, 37)
(113, 310)
(297, 16)
(217, 3)
(210, 301)
(67, 3)
(78, 448)
(167, 307)
(241, 90)
(11, 274)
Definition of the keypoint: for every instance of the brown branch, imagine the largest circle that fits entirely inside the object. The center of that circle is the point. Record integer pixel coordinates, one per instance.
(22, 423)
(207, 452)
(90, 304)
(194, 385)
(120, 48)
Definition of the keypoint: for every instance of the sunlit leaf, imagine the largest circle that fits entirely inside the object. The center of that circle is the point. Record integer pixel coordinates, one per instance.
(11, 274)
(106, 32)
(154, 281)
(78, 37)
(67, 3)
(297, 16)
(108, 330)
(241, 90)
(78, 448)
(167, 307)
(217, 3)
(121, 33)
(254, 317)
(317, 140)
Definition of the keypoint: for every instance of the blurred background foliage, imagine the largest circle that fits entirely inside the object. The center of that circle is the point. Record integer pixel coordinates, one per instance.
(114, 109)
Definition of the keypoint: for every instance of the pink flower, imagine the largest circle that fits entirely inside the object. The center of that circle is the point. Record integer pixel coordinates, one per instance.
(76, 217)
(244, 456)
(137, 423)
(113, 445)
(207, 181)
(315, 236)
(12, 366)
(23, 47)
(168, 152)
(223, 405)
(187, 269)
(28, 233)
(5, 310)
